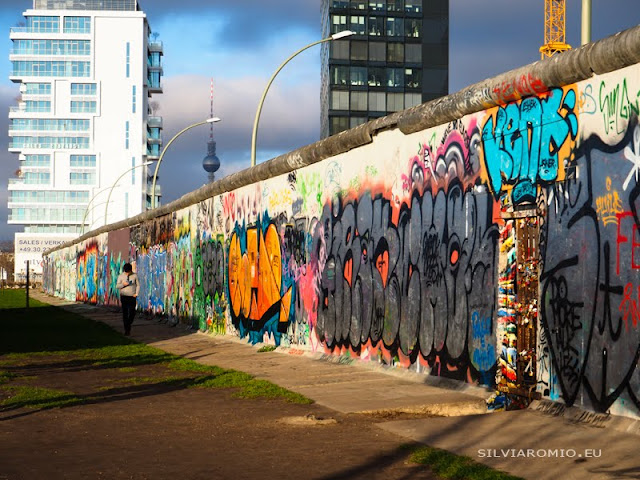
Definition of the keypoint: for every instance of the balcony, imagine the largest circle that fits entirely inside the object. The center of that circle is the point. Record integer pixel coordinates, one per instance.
(155, 47)
(154, 122)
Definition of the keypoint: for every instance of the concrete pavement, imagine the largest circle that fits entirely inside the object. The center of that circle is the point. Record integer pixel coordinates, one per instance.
(545, 441)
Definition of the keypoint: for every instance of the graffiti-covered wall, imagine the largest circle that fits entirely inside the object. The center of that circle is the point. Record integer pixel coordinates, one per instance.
(415, 249)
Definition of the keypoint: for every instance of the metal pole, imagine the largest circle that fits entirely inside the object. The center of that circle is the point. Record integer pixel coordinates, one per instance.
(27, 283)
(106, 207)
(585, 35)
(254, 136)
(155, 174)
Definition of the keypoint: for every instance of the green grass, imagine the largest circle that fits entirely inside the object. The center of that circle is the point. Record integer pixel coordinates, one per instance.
(267, 348)
(80, 342)
(446, 465)
(6, 376)
(17, 298)
(38, 397)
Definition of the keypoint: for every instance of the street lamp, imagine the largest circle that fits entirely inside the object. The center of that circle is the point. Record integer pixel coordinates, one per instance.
(106, 208)
(87, 209)
(155, 174)
(254, 136)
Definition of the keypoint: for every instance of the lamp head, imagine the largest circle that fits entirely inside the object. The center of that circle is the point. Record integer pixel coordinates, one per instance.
(213, 120)
(345, 33)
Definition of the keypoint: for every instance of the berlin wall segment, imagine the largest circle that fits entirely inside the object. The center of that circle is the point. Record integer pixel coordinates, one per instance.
(398, 250)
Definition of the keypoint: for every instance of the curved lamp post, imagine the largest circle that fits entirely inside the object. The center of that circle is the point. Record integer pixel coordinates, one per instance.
(90, 210)
(87, 209)
(254, 136)
(106, 208)
(155, 174)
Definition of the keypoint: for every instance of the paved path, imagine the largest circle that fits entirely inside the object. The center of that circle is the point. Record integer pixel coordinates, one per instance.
(531, 443)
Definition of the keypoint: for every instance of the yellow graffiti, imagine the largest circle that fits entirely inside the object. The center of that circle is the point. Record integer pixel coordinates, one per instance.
(280, 199)
(608, 206)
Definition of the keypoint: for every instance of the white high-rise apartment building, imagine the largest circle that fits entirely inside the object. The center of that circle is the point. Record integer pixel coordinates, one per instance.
(87, 70)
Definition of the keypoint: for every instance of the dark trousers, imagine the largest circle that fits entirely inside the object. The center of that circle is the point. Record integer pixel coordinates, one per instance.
(128, 311)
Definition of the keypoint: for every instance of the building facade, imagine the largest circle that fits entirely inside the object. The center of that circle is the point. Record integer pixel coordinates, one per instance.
(397, 58)
(87, 70)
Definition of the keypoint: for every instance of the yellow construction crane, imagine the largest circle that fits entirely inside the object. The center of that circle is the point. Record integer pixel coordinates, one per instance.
(554, 28)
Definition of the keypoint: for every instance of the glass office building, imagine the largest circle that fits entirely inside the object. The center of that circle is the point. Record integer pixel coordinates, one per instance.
(397, 58)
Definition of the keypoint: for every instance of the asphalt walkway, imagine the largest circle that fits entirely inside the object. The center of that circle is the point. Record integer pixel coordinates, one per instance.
(543, 442)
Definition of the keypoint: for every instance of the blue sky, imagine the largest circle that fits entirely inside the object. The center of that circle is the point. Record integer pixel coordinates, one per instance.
(240, 50)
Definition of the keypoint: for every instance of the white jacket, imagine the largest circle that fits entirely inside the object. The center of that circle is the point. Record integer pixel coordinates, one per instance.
(128, 284)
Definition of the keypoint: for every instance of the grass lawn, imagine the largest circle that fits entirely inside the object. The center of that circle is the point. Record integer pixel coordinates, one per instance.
(17, 298)
(47, 331)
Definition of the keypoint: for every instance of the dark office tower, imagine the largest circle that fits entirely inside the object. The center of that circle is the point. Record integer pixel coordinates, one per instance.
(397, 58)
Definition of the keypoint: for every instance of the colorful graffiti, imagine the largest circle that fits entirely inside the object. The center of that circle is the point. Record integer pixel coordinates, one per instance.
(402, 251)
(528, 142)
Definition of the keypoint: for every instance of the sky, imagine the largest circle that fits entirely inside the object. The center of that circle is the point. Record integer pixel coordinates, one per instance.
(241, 43)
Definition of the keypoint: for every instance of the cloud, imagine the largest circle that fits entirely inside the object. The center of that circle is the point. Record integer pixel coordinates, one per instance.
(285, 125)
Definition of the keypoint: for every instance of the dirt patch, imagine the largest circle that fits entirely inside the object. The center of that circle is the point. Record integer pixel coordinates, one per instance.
(144, 422)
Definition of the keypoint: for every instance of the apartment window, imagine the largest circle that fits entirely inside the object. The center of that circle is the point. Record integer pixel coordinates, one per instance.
(413, 53)
(338, 23)
(358, 101)
(359, 4)
(49, 124)
(358, 76)
(126, 205)
(83, 106)
(412, 77)
(395, 102)
(358, 24)
(395, 77)
(339, 75)
(133, 99)
(82, 161)
(395, 27)
(376, 26)
(37, 89)
(413, 6)
(413, 28)
(128, 60)
(43, 24)
(126, 135)
(82, 178)
(86, 89)
(377, 51)
(338, 124)
(37, 178)
(52, 47)
(37, 106)
(412, 99)
(36, 161)
(358, 50)
(395, 5)
(340, 49)
(340, 3)
(395, 52)
(50, 69)
(377, 102)
(377, 5)
(376, 77)
(77, 24)
(133, 170)
(339, 100)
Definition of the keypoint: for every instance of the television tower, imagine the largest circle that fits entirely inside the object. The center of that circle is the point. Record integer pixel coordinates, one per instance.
(211, 163)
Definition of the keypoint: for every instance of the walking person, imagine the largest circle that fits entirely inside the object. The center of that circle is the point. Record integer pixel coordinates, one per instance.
(129, 287)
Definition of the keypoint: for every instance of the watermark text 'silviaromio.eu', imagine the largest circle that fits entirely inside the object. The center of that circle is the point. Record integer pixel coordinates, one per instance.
(539, 453)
